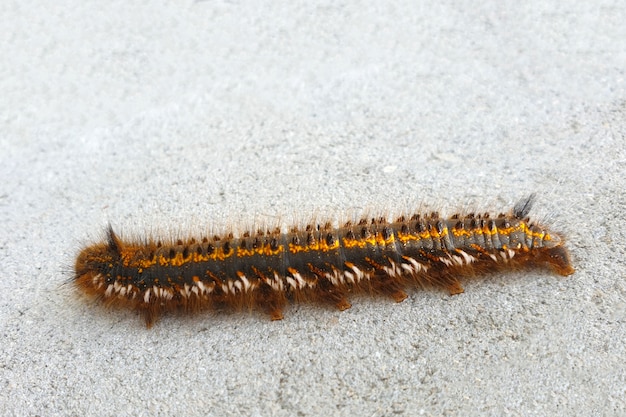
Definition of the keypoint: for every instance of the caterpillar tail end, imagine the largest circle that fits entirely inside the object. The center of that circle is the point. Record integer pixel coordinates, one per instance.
(559, 260)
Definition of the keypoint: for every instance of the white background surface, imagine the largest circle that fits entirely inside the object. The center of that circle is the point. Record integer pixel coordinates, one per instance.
(174, 116)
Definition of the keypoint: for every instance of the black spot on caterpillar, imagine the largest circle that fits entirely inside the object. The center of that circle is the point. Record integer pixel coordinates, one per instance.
(317, 263)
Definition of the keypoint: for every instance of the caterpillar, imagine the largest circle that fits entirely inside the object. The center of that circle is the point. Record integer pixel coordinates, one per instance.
(318, 263)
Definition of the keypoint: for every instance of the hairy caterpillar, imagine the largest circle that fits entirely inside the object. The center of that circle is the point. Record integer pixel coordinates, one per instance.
(316, 263)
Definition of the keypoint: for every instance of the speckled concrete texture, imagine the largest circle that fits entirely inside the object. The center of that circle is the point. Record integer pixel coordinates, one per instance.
(168, 117)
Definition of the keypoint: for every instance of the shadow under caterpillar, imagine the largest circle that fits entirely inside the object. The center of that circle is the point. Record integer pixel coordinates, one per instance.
(317, 263)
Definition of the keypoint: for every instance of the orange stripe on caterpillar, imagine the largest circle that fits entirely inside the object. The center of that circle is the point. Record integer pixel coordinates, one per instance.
(319, 263)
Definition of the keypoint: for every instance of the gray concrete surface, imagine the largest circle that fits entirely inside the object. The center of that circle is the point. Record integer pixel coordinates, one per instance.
(172, 116)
